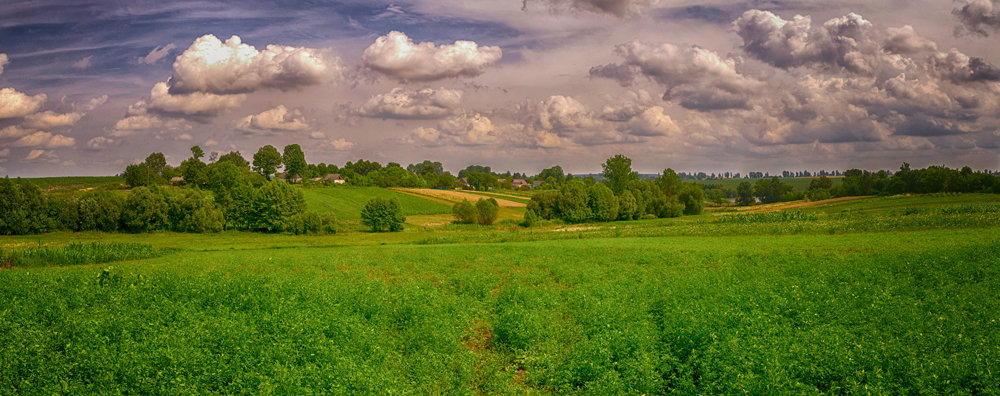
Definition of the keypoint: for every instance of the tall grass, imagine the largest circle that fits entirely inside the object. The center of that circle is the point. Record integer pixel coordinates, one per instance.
(76, 254)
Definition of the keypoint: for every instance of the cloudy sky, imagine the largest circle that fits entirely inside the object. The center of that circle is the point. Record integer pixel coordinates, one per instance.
(87, 87)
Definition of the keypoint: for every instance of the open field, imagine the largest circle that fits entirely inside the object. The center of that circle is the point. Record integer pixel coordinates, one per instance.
(453, 196)
(875, 295)
(346, 202)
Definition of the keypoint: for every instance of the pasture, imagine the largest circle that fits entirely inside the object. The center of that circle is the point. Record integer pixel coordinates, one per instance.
(876, 295)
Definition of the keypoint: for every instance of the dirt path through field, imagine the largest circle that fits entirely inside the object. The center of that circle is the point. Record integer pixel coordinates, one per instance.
(453, 196)
(800, 204)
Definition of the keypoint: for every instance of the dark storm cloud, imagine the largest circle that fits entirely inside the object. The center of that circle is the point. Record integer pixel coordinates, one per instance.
(977, 17)
(618, 8)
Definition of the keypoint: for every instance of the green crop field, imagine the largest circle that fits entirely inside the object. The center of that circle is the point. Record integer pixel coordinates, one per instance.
(878, 295)
(346, 202)
(72, 183)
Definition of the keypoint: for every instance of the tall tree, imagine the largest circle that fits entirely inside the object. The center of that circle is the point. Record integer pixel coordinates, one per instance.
(197, 152)
(236, 158)
(156, 162)
(266, 161)
(294, 159)
(553, 175)
(744, 194)
(618, 173)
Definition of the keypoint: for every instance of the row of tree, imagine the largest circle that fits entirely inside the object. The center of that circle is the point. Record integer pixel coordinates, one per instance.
(621, 196)
(272, 207)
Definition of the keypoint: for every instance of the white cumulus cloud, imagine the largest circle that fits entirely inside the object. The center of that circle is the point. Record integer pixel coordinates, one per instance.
(398, 56)
(277, 119)
(50, 120)
(45, 140)
(4, 60)
(14, 104)
(191, 104)
(414, 104)
(232, 67)
(341, 144)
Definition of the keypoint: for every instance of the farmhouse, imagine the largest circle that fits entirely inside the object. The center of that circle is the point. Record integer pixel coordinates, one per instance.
(519, 182)
(335, 177)
(177, 181)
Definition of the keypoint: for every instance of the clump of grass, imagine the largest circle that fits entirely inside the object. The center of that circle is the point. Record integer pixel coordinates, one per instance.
(768, 217)
(77, 254)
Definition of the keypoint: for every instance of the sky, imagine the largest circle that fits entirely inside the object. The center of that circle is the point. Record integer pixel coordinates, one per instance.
(88, 87)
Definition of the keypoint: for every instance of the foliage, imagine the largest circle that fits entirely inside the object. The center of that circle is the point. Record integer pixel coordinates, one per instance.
(553, 176)
(139, 175)
(145, 210)
(464, 212)
(190, 210)
(618, 173)
(771, 190)
(530, 219)
(23, 207)
(383, 215)
(744, 194)
(194, 171)
(572, 205)
(693, 198)
(101, 211)
(310, 222)
(628, 207)
(602, 202)
(236, 158)
(544, 204)
(273, 205)
(294, 160)
(487, 211)
(266, 161)
(156, 162)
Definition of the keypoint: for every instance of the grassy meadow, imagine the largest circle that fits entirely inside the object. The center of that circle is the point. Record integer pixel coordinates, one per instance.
(875, 295)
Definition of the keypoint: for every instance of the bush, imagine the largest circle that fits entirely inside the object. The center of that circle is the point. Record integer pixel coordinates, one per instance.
(464, 212)
(530, 219)
(602, 202)
(273, 204)
(145, 210)
(693, 198)
(383, 215)
(572, 205)
(628, 207)
(544, 204)
(193, 211)
(310, 222)
(23, 208)
(487, 211)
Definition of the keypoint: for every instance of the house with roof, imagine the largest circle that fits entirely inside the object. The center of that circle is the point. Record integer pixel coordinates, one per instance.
(177, 181)
(519, 183)
(335, 178)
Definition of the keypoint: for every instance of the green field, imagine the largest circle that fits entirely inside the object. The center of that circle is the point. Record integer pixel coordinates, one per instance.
(797, 183)
(878, 295)
(346, 202)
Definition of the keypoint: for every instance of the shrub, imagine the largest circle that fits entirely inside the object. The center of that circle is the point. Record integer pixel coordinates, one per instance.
(487, 211)
(530, 219)
(693, 198)
(193, 211)
(273, 204)
(101, 211)
(464, 212)
(544, 204)
(572, 204)
(383, 215)
(145, 210)
(312, 223)
(602, 202)
(628, 208)
(23, 208)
